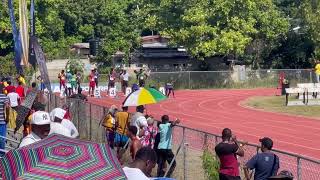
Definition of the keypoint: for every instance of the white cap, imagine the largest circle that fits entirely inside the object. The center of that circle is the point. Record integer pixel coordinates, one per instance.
(40, 118)
(57, 112)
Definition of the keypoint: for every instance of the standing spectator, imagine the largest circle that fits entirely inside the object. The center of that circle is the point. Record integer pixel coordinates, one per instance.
(4, 105)
(150, 133)
(74, 83)
(265, 164)
(32, 88)
(135, 141)
(60, 125)
(109, 123)
(125, 79)
(138, 119)
(21, 79)
(92, 84)
(317, 70)
(62, 79)
(96, 76)
(141, 167)
(122, 124)
(9, 88)
(141, 78)
(14, 99)
(165, 145)
(40, 128)
(227, 152)
(41, 81)
(20, 91)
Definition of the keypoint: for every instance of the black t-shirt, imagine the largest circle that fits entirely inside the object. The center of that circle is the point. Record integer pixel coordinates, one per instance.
(226, 148)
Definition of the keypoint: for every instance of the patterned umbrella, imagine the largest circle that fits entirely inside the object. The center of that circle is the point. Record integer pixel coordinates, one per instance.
(144, 96)
(59, 157)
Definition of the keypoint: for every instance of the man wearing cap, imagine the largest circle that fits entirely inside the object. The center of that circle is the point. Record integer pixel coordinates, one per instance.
(40, 127)
(265, 164)
(60, 125)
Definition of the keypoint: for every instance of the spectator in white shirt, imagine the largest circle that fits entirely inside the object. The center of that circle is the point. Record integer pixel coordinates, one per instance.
(62, 126)
(40, 127)
(139, 120)
(125, 79)
(141, 167)
(14, 99)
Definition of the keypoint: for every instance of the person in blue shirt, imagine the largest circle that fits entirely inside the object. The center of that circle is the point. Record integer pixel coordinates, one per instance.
(265, 164)
(165, 146)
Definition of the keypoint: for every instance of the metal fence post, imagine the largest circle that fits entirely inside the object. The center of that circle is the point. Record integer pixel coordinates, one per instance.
(184, 154)
(205, 141)
(189, 80)
(90, 122)
(310, 74)
(299, 177)
(78, 112)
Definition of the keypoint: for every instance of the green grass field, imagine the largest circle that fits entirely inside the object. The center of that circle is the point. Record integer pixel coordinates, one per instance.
(277, 104)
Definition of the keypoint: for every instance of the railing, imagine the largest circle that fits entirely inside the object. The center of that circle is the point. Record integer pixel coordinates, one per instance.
(87, 116)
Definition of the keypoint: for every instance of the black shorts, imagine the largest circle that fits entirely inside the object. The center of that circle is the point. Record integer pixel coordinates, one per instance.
(227, 177)
(125, 83)
(111, 84)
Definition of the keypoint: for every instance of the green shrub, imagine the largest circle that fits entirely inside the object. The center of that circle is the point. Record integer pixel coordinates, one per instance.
(210, 164)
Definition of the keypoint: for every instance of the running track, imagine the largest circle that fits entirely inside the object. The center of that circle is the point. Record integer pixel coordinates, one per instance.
(213, 110)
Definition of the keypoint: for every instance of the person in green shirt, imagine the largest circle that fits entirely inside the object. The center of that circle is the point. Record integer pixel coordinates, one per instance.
(73, 83)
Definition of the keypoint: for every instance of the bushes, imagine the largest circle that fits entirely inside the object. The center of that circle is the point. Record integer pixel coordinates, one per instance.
(210, 164)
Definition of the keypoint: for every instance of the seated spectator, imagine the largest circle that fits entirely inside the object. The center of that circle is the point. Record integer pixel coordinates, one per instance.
(109, 123)
(283, 175)
(14, 99)
(40, 127)
(20, 90)
(265, 164)
(135, 141)
(141, 167)
(138, 119)
(165, 145)
(62, 126)
(227, 152)
(150, 133)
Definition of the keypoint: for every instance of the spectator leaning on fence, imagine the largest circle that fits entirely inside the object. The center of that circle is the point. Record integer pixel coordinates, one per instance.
(40, 128)
(109, 123)
(317, 70)
(122, 123)
(227, 152)
(265, 164)
(4, 105)
(141, 167)
(165, 145)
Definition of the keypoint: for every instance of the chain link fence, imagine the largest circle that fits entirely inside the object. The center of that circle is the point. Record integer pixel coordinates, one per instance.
(87, 118)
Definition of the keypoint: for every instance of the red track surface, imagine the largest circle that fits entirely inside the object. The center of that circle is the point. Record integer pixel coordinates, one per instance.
(213, 110)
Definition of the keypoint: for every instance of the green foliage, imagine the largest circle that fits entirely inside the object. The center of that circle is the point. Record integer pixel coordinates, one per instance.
(210, 164)
(7, 65)
(74, 66)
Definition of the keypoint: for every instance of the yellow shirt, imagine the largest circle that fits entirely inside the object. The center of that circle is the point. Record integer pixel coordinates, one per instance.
(108, 122)
(22, 80)
(317, 68)
(122, 119)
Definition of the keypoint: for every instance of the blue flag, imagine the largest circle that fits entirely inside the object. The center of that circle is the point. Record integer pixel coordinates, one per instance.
(16, 38)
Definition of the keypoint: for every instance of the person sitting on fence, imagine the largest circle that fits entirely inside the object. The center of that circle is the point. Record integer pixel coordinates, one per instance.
(122, 123)
(139, 120)
(109, 123)
(165, 146)
(135, 141)
(62, 126)
(227, 152)
(283, 175)
(141, 167)
(265, 164)
(40, 128)
(150, 133)
(20, 91)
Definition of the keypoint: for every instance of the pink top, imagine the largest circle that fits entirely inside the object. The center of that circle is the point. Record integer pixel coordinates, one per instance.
(149, 136)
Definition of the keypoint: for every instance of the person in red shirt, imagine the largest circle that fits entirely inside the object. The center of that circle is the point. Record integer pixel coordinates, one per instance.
(92, 83)
(20, 90)
(10, 88)
(227, 151)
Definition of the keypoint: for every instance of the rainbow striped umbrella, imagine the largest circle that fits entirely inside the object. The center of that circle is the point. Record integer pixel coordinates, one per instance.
(59, 157)
(144, 96)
